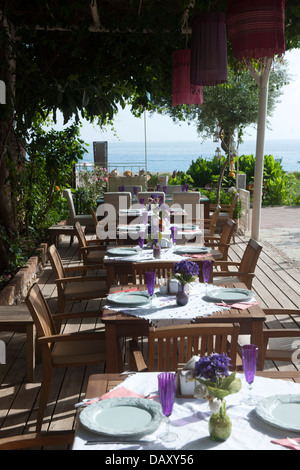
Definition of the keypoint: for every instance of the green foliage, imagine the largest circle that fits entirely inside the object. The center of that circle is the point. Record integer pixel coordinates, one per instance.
(180, 177)
(206, 172)
(92, 184)
(45, 172)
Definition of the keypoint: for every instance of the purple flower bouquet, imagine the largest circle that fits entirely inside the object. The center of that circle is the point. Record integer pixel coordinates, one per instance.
(186, 271)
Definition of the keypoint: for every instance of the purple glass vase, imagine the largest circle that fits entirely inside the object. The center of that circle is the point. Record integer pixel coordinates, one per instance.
(182, 296)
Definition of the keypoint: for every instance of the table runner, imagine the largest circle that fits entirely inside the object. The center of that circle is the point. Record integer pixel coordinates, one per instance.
(165, 311)
(190, 418)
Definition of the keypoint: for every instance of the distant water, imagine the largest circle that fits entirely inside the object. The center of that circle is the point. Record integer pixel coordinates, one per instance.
(169, 156)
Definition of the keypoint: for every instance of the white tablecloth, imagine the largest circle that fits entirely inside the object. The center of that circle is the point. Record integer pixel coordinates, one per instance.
(165, 311)
(190, 419)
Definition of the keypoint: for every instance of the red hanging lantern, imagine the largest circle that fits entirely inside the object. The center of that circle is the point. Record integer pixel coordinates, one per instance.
(209, 49)
(256, 28)
(182, 90)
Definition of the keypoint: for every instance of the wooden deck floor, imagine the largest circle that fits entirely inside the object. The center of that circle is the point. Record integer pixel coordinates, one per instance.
(277, 284)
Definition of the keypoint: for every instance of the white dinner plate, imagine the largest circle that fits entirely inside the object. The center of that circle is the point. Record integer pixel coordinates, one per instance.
(192, 249)
(123, 251)
(186, 226)
(230, 294)
(282, 411)
(129, 298)
(123, 417)
(132, 228)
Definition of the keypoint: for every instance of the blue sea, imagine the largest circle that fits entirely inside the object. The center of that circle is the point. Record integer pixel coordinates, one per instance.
(170, 156)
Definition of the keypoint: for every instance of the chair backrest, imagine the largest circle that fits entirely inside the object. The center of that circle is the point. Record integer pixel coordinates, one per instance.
(173, 345)
(232, 205)
(56, 264)
(40, 312)
(225, 237)
(163, 269)
(250, 257)
(173, 188)
(120, 200)
(213, 220)
(130, 188)
(190, 202)
(68, 195)
(94, 215)
(147, 194)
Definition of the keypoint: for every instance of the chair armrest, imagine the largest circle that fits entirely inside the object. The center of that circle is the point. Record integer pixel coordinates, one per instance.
(72, 337)
(137, 362)
(82, 267)
(281, 333)
(93, 248)
(281, 311)
(63, 316)
(64, 280)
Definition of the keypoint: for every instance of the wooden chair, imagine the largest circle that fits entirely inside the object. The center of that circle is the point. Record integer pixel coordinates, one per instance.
(37, 440)
(244, 270)
(60, 350)
(72, 288)
(190, 202)
(211, 223)
(220, 245)
(280, 343)
(85, 219)
(163, 269)
(173, 345)
(227, 211)
(90, 251)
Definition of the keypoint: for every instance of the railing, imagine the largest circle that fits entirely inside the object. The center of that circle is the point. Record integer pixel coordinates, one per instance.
(120, 167)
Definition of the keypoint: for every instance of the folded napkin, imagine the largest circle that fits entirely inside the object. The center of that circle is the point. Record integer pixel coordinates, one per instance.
(195, 255)
(126, 290)
(288, 443)
(239, 305)
(115, 393)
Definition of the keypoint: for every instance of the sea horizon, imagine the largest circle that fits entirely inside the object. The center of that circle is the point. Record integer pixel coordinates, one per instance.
(178, 155)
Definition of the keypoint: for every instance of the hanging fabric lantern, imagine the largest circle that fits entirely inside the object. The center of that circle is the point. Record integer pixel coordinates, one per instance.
(182, 90)
(256, 28)
(209, 49)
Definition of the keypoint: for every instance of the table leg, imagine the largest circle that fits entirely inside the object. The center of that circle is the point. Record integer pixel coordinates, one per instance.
(114, 362)
(257, 339)
(30, 345)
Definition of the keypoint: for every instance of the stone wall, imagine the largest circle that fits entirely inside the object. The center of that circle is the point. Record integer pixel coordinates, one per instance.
(16, 290)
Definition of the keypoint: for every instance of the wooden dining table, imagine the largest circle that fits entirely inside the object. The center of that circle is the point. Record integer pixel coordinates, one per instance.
(119, 325)
(119, 270)
(189, 418)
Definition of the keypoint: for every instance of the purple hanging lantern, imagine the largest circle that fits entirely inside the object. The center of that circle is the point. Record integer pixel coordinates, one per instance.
(256, 28)
(209, 49)
(182, 90)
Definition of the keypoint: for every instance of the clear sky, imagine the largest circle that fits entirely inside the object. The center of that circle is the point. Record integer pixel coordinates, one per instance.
(285, 121)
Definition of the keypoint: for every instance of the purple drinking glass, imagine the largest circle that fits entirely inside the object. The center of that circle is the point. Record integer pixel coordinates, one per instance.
(174, 232)
(249, 359)
(150, 277)
(145, 217)
(142, 201)
(141, 239)
(186, 187)
(158, 187)
(166, 391)
(165, 189)
(206, 269)
(135, 190)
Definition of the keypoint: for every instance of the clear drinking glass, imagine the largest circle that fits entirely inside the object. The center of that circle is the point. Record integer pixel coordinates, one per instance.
(249, 359)
(166, 391)
(150, 277)
(206, 269)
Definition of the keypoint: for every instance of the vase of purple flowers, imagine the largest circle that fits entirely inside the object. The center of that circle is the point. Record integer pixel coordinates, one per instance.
(185, 272)
(214, 384)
